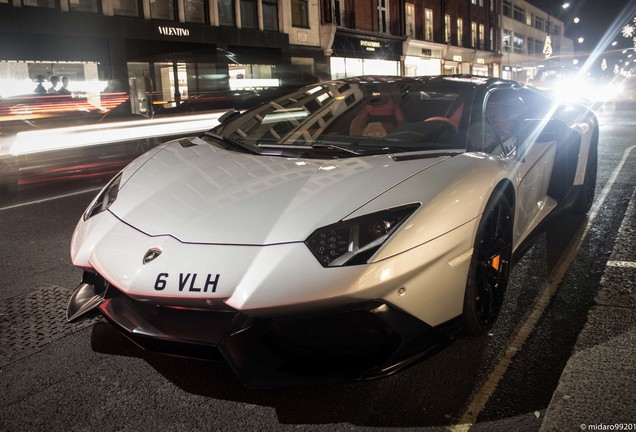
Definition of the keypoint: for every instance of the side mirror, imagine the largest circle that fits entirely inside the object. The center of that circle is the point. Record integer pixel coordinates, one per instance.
(229, 116)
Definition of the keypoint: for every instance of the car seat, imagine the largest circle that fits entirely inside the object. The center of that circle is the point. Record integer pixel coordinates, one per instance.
(377, 118)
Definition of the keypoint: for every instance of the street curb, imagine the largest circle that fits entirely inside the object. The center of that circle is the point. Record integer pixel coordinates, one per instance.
(596, 390)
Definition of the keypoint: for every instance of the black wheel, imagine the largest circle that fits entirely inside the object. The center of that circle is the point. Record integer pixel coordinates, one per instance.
(489, 266)
(585, 197)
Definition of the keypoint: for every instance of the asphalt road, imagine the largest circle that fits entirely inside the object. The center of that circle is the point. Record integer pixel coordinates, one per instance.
(59, 376)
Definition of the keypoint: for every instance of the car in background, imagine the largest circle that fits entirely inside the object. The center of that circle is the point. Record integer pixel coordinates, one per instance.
(340, 232)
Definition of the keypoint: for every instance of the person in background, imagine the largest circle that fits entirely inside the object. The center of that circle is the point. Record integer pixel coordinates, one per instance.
(39, 89)
(55, 80)
(64, 89)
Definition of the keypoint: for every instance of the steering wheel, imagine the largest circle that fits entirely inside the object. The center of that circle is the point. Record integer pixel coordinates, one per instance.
(444, 120)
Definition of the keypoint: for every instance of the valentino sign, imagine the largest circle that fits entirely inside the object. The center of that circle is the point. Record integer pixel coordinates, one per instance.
(173, 31)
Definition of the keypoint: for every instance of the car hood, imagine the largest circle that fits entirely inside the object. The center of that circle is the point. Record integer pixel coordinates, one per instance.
(203, 194)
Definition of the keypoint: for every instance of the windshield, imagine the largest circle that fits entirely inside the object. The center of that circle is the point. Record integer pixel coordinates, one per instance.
(353, 118)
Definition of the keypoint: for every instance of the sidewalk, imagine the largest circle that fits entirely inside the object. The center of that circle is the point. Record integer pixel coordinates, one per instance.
(597, 389)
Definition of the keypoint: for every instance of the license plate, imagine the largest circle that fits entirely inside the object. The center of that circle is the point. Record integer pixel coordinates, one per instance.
(187, 282)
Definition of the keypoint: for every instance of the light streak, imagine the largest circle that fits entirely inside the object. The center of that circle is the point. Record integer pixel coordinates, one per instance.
(92, 135)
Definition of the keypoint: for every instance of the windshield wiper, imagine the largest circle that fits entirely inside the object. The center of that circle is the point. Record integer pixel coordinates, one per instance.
(328, 147)
(344, 149)
(229, 142)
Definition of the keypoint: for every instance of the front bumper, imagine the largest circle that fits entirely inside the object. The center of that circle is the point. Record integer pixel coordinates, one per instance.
(361, 341)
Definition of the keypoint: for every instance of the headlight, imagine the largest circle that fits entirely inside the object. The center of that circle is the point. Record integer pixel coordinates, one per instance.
(355, 241)
(104, 199)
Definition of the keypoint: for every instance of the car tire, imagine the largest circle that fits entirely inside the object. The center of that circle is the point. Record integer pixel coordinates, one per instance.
(489, 266)
(585, 196)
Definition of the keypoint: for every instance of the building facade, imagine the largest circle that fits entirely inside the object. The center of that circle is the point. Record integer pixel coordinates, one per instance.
(531, 39)
(411, 37)
(172, 49)
(163, 51)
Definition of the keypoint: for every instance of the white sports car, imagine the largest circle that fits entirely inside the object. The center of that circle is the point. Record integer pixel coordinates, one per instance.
(341, 232)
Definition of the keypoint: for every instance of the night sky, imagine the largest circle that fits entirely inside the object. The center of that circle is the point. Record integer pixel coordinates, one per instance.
(596, 18)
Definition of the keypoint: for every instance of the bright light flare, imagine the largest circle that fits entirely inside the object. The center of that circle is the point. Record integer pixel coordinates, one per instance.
(582, 89)
(92, 135)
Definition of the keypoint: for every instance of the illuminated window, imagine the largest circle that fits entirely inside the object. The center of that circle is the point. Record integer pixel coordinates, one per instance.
(162, 9)
(40, 3)
(460, 32)
(447, 28)
(507, 37)
(126, 7)
(300, 13)
(428, 24)
(518, 43)
(410, 19)
(195, 11)
(84, 5)
(473, 34)
(482, 36)
(226, 12)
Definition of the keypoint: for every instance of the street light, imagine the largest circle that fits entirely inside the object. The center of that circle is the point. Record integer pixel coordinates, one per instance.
(566, 5)
(581, 39)
(576, 20)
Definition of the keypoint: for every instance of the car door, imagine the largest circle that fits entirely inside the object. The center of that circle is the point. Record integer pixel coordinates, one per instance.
(506, 111)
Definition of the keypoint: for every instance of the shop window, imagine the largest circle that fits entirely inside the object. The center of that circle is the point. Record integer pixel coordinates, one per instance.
(300, 13)
(252, 76)
(249, 14)
(84, 5)
(195, 11)
(270, 15)
(162, 9)
(226, 12)
(126, 8)
(40, 3)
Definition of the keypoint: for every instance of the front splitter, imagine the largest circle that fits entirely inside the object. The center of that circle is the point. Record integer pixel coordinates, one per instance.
(358, 342)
